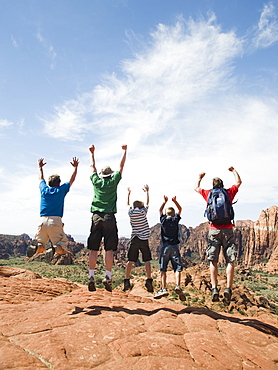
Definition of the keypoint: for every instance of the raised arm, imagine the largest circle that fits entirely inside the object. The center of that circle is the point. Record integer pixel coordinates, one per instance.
(197, 187)
(74, 163)
(122, 163)
(128, 196)
(174, 199)
(41, 163)
(146, 190)
(236, 175)
(93, 163)
(163, 204)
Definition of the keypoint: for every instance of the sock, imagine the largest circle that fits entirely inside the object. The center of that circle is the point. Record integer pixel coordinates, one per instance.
(92, 273)
(109, 274)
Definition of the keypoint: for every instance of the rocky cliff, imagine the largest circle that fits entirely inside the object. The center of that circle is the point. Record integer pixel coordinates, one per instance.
(257, 244)
(257, 241)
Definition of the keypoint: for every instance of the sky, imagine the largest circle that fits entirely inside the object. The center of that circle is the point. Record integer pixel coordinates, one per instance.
(190, 86)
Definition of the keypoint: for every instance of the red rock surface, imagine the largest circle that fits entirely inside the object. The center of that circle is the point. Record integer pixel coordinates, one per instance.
(51, 323)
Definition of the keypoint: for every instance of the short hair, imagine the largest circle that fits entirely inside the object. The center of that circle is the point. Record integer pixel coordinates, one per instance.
(217, 183)
(54, 180)
(138, 204)
(170, 211)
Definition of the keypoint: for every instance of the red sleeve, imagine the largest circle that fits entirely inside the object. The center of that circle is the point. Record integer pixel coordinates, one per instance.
(204, 193)
(232, 192)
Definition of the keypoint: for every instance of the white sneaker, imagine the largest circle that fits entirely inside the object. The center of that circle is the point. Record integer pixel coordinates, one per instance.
(161, 293)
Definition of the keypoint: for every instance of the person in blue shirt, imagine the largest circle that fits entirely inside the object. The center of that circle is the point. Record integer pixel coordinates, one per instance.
(51, 213)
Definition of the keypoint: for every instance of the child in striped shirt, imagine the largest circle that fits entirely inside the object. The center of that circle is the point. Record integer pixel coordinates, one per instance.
(139, 239)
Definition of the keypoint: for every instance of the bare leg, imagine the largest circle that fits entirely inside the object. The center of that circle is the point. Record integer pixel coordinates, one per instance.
(178, 278)
(230, 274)
(213, 273)
(163, 279)
(129, 266)
(93, 259)
(109, 256)
(148, 269)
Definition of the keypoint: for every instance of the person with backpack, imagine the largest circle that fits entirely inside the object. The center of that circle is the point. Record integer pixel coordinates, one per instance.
(220, 215)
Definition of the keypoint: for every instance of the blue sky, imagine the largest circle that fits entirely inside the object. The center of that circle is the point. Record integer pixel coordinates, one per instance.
(189, 86)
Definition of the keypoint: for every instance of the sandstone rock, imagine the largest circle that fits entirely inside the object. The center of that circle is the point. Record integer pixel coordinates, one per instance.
(43, 327)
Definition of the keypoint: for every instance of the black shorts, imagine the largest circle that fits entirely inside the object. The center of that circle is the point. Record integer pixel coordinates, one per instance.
(104, 226)
(137, 245)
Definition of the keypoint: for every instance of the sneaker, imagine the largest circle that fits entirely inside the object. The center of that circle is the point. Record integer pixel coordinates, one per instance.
(149, 285)
(107, 283)
(91, 284)
(49, 254)
(161, 293)
(215, 295)
(180, 293)
(31, 250)
(227, 294)
(59, 250)
(127, 285)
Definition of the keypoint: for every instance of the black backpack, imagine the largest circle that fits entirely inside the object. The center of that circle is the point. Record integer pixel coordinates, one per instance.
(219, 209)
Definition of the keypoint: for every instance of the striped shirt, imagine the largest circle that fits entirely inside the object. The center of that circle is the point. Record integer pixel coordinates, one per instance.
(139, 223)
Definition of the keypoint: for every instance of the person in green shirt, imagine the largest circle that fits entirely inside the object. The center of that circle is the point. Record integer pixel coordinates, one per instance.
(104, 225)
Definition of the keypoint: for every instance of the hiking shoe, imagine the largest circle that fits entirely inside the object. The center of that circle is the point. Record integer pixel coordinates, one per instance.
(49, 254)
(107, 283)
(91, 284)
(180, 293)
(59, 250)
(31, 250)
(161, 293)
(215, 295)
(127, 285)
(227, 294)
(149, 285)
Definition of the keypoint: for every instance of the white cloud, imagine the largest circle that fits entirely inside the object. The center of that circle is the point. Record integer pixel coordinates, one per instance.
(49, 49)
(179, 107)
(5, 123)
(267, 29)
(14, 42)
(183, 64)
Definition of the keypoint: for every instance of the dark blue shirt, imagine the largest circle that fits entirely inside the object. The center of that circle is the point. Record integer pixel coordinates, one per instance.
(170, 228)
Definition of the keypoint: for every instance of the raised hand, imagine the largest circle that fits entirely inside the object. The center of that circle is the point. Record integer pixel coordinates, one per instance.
(146, 188)
(41, 162)
(92, 148)
(75, 162)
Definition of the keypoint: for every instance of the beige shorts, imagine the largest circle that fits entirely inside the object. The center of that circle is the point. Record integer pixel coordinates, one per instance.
(51, 229)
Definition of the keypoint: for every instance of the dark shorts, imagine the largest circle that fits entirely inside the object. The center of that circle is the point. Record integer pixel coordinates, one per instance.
(137, 245)
(104, 226)
(224, 238)
(170, 253)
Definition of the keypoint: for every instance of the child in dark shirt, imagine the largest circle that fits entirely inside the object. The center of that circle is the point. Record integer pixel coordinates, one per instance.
(170, 250)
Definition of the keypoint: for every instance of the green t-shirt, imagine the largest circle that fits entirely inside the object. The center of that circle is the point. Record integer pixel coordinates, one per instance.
(105, 192)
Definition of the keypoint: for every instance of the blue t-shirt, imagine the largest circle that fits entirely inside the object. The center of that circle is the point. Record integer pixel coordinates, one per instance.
(52, 199)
